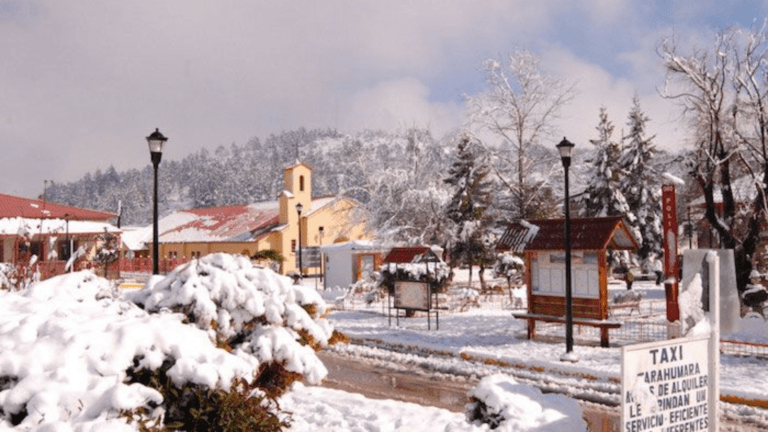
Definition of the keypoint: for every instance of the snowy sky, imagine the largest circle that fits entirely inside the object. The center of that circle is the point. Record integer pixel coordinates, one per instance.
(83, 83)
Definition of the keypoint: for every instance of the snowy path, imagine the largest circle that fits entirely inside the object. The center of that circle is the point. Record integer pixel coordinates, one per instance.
(489, 338)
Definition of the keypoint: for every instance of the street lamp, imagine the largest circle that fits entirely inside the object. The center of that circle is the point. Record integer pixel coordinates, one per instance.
(565, 147)
(155, 141)
(299, 208)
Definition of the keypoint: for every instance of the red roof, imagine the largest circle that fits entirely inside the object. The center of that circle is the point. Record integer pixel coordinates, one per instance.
(403, 255)
(232, 223)
(586, 234)
(13, 206)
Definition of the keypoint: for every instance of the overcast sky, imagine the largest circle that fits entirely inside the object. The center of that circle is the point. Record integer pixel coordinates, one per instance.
(82, 83)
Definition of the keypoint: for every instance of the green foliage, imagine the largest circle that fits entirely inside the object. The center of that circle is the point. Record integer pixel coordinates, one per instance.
(193, 407)
(479, 411)
(268, 254)
(468, 209)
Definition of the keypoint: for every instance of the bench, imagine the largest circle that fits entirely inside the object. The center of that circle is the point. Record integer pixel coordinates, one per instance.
(604, 325)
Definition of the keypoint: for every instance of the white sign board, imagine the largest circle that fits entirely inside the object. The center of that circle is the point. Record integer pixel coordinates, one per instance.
(412, 295)
(669, 386)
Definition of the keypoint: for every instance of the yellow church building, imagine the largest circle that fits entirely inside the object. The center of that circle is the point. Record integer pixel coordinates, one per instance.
(295, 218)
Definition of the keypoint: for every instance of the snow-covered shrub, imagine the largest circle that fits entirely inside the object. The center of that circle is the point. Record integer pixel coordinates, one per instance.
(510, 267)
(107, 250)
(468, 297)
(69, 347)
(254, 312)
(7, 273)
(434, 272)
(504, 405)
(76, 356)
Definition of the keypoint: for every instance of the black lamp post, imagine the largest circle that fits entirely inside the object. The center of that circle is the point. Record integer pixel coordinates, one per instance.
(299, 208)
(155, 141)
(565, 147)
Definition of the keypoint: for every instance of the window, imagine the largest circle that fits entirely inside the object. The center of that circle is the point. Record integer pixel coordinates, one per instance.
(301, 183)
(195, 254)
(31, 248)
(293, 245)
(64, 249)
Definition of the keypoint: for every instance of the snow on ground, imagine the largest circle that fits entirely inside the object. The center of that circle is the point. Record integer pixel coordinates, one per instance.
(495, 334)
(67, 344)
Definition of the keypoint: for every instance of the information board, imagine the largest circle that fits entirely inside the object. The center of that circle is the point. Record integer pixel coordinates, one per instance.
(668, 386)
(310, 257)
(412, 295)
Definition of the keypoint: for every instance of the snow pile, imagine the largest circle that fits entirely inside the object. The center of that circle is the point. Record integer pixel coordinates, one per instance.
(692, 316)
(257, 312)
(67, 344)
(505, 405)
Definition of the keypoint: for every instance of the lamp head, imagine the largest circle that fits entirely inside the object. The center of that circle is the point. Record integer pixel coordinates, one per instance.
(156, 141)
(565, 148)
(299, 208)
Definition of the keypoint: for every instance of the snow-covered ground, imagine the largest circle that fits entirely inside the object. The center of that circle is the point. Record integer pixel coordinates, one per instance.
(467, 342)
(67, 343)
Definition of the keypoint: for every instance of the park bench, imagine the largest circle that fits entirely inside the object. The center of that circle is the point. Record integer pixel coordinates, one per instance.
(603, 325)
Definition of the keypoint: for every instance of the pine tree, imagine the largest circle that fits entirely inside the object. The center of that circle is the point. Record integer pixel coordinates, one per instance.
(641, 183)
(470, 202)
(603, 196)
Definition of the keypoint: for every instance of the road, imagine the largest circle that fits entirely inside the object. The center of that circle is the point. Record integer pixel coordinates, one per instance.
(379, 382)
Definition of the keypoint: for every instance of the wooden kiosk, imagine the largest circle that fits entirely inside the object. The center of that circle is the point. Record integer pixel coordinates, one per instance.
(409, 292)
(543, 244)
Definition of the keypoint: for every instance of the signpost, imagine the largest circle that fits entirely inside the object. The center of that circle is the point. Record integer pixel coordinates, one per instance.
(310, 257)
(673, 385)
(669, 222)
(412, 295)
(667, 386)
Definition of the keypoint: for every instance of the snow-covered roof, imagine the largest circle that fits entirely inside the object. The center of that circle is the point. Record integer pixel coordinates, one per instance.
(743, 191)
(350, 245)
(217, 224)
(18, 225)
(586, 234)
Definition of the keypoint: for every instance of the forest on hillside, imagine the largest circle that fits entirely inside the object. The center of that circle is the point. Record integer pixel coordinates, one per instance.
(241, 174)
(354, 165)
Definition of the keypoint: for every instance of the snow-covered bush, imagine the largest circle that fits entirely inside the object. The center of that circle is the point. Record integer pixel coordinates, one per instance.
(434, 272)
(252, 311)
(510, 267)
(7, 274)
(468, 297)
(75, 356)
(504, 405)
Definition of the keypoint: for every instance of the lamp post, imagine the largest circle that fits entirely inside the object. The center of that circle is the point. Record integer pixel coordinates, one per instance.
(155, 141)
(299, 208)
(565, 147)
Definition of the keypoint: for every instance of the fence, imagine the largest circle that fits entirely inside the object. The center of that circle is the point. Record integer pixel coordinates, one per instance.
(113, 270)
(144, 265)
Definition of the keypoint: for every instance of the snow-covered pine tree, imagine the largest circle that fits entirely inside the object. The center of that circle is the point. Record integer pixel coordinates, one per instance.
(469, 204)
(603, 196)
(640, 184)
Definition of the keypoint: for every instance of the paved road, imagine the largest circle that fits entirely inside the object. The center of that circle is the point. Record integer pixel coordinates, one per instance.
(378, 382)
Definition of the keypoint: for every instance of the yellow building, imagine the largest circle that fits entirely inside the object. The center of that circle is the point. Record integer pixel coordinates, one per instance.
(247, 229)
